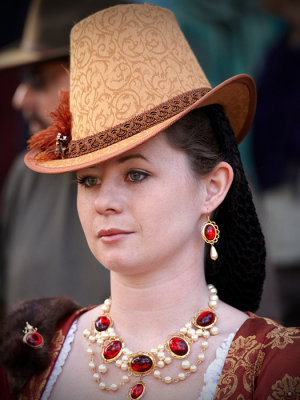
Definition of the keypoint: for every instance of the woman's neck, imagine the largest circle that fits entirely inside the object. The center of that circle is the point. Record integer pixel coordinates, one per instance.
(156, 307)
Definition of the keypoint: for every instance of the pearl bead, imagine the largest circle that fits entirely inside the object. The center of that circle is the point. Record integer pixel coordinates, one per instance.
(161, 355)
(96, 376)
(156, 373)
(206, 334)
(191, 332)
(204, 344)
(92, 339)
(118, 363)
(213, 290)
(201, 357)
(185, 364)
(126, 351)
(104, 335)
(99, 342)
(102, 368)
(125, 358)
(107, 302)
(125, 378)
(91, 365)
(183, 330)
(212, 303)
(105, 307)
(102, 385)
(214, 330)
(199, 332)
(168, 360)
(193, 368)
(188, 325)
(89, 351)
(195, 337)
(210, 286)
(168, 379)
(160, 347)
(124, 367)
(214, 297)
(181, 376)
(160, 364)
(114, 387)
(154, 351)
(86, 333)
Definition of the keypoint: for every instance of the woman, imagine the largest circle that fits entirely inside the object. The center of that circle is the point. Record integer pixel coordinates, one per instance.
(156, 163)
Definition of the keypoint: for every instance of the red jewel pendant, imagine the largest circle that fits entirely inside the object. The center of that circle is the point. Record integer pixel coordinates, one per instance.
(205, 319)
(102, 323)
(141, 363)
(112, 351)
(33, 339)
(179, 347)
(209, 232)
(137, 391)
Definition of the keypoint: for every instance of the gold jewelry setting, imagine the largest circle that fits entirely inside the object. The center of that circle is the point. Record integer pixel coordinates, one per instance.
(178, 346)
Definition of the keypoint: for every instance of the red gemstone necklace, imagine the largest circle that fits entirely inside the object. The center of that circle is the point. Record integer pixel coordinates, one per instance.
(178, 346)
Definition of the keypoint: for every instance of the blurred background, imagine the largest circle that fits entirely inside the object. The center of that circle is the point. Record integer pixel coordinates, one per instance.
(258, 37)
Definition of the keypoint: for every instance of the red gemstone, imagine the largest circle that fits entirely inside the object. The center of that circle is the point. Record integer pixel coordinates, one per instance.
(178, 346)
(34, 339)
(102, 323)
(137, 391)
(112, 350)
(206, 318)
(210, 232)
(141, 363)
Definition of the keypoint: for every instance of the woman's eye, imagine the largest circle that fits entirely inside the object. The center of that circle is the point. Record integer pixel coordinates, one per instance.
(88, 181)
(136, 175)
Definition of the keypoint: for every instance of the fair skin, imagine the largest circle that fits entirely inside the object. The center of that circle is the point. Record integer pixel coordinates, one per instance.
(38, 92)
(142, 214)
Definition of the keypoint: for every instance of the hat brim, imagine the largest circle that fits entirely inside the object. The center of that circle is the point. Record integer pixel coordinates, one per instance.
(17, 56)
(237, 95)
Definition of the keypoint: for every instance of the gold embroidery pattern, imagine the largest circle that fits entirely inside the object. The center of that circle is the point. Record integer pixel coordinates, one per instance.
(244, 356)
(280, 337)
(286, 388)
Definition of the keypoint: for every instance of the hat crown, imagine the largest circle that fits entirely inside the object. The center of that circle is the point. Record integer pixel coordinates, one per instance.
(125, 61)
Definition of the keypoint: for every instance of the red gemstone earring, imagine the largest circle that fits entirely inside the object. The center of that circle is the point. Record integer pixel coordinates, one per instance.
(31, 337)
(211, 233)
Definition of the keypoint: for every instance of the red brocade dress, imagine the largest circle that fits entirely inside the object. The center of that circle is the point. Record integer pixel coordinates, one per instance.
(263, 362)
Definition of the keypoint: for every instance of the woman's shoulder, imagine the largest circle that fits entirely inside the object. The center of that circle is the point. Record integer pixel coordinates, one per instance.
(263, 359)
(29, 334)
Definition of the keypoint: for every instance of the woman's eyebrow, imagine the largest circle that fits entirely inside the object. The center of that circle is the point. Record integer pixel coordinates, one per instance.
(130, 157)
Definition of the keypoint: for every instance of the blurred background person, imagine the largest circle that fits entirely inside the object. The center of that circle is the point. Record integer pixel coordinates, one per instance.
(42, 256)
(276, 147)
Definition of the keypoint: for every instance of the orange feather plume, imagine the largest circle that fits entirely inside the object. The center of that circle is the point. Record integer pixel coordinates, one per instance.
(45, 141)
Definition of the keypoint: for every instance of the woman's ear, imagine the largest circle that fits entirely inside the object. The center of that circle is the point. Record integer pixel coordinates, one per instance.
(217, 184)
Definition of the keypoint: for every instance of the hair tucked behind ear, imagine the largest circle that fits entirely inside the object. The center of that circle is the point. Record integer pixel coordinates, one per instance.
(207, 138)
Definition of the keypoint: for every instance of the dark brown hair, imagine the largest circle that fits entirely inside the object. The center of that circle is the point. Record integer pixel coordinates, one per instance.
(206, 136)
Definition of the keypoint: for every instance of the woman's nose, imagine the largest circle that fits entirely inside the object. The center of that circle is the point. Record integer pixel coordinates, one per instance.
(109, 199)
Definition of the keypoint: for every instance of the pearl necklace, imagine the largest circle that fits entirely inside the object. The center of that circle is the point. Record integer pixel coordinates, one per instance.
(177, 346)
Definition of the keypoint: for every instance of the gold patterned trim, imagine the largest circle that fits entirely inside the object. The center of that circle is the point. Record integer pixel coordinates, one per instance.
(135, 125)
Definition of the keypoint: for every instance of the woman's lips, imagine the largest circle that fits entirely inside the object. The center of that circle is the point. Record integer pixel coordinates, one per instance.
(112, 235)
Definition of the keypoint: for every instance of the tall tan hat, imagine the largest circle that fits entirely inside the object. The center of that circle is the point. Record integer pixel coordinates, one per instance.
(133, 74)
(47, 29)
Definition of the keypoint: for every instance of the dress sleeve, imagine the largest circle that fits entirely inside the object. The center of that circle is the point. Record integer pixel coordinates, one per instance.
(278, 375)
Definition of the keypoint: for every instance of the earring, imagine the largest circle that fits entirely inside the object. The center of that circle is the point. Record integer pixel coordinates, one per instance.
(211, 233)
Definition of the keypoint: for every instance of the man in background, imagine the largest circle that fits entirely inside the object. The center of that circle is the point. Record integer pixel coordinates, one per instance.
(43, 249)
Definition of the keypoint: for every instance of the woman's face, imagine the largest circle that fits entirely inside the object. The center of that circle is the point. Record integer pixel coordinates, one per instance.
(141, 210)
